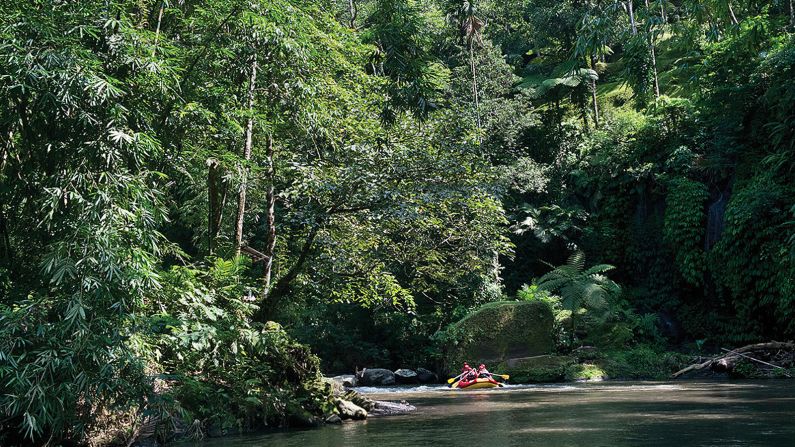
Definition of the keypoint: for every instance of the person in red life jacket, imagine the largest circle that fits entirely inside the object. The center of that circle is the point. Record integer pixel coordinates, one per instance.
(468, 373)
(483, 372)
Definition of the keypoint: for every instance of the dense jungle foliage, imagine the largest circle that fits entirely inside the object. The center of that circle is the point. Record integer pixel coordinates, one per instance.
(204, 204)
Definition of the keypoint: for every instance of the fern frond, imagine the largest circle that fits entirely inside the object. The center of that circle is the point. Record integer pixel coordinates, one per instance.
(599, 268)
(577, 261)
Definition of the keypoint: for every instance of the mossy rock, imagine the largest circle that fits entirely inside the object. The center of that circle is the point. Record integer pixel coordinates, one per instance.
(499, 331)
(538, 369)
(584, 372)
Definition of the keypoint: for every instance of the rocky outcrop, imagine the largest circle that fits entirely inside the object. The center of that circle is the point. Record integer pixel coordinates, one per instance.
(376, 377)
(499, 331)
(406, 376)
(349, 410)
(426, 376)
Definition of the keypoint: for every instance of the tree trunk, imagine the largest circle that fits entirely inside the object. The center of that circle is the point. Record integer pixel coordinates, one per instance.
(584, 116)
(731, 13)
(241, 198)
(282, 286)
(217, 189)
(573, 335)
(663, 14)
(474, 85)
(6, 147)
(593, 95)
(5, 240)
(558, 115)
(654, 67)
(653, 60)
(354, 11)
(157, 30)
(212, 203)
(792, 14)
(631, 12)
(270, 223)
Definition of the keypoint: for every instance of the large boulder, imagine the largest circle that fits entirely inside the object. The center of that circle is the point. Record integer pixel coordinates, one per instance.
(376, 377)
(406, 376)
(345, 380)
(499, 331)
(426, 376)
(349, 410)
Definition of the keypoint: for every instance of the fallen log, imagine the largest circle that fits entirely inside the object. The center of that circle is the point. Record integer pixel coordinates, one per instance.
(725, 362)
(769, 346)
(694, 367)
(757, 360)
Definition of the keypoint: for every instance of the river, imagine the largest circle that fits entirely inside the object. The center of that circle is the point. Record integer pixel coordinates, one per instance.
(613, 414)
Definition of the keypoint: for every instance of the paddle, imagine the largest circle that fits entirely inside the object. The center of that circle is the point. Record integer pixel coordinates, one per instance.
(504, 376)
(455, 378)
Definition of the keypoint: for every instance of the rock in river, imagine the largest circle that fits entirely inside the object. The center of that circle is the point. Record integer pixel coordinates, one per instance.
(349, 410)
(406, 376)
(377, 377)
(346, 380)
(426, 376)
(334, 419)
(384, 408)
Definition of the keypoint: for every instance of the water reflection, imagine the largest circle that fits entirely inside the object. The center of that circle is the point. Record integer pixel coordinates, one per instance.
(606, 414)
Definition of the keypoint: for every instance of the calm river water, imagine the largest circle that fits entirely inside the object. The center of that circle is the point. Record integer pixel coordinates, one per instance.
(612, 414)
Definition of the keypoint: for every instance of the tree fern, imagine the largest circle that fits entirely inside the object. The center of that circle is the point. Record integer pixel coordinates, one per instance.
(580, 287)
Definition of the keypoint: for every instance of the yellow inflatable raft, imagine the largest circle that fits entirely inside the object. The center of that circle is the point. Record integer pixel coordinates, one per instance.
(476, 384)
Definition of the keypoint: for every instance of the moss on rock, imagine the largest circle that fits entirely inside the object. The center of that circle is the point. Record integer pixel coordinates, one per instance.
(499, 331)
(584, 372)
(538, 369)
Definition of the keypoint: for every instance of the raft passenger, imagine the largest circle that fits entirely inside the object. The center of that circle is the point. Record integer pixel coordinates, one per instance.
(483, 372)
(468, 373)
